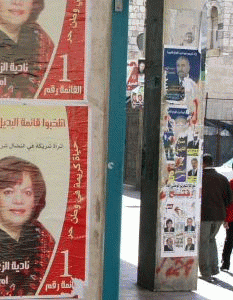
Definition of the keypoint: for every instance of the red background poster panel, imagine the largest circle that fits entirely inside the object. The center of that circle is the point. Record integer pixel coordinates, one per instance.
(65, 80)
(69, 262)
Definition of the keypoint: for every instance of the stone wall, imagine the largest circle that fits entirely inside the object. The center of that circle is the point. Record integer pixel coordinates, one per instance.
(137, 12)
(227, 32)
(219, 59)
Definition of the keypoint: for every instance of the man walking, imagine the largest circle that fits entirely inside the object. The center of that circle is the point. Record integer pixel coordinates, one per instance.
(216, 196)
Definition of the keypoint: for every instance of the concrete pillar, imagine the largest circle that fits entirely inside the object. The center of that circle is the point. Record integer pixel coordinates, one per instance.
(169, 193)
(99, 17)
(63, 100)
(106, 86)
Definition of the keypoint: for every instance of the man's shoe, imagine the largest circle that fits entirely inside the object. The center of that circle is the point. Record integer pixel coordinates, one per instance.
(207, 278)
(224, 268)
(216, 272)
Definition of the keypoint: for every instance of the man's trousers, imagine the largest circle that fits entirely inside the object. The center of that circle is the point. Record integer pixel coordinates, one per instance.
(208, 253)
(226, 255)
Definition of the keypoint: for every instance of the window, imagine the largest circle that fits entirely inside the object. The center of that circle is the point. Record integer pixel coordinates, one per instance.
(214, 28)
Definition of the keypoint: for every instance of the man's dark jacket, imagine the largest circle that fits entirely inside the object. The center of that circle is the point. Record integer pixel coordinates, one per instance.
(216, 196)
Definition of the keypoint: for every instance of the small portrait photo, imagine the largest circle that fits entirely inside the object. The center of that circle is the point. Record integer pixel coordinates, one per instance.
(140, 100)
(194, 167)
(169, 226)
(189, 244)
(181, 128)
(170, 180)
(134, 100)
(168, 246)
(141, 72)
(137, 98)
(188, 39)
(194, 142)
(189, 227)
(141, 66)
(179, 211)
(169, 144)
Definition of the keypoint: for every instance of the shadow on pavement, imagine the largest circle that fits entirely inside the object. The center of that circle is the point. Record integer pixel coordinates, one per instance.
(129, 290)
(222, 284)
(130, 191)
(229, 273)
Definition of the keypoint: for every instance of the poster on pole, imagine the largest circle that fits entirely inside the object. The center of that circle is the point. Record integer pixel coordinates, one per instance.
(182, 148)
(43, 200)
(181, 72)
(42, 49)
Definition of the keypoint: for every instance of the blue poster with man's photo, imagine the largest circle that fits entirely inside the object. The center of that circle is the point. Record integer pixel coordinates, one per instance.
(182, 72)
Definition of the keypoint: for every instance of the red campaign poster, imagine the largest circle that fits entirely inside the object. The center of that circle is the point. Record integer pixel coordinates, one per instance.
(43, 200)
(43, 56)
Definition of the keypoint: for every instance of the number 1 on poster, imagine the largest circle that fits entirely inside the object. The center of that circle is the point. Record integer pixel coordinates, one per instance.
(65, 68)
(66, 264)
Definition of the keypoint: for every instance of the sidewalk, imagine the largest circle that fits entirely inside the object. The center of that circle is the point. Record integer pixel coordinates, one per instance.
(221, 288)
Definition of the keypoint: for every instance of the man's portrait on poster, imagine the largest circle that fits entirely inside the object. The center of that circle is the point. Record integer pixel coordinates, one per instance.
(194, 143)
(194, 170)
(189, 226)
(189, 246)
(182, 73)
(25, 244)
(25, 48)
(169, 245)
(188, 39)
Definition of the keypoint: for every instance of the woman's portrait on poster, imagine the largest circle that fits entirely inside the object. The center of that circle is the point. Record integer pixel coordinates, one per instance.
(26, 245)
(25, 48)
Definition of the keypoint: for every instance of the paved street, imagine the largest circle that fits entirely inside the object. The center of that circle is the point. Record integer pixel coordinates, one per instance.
(222, 288)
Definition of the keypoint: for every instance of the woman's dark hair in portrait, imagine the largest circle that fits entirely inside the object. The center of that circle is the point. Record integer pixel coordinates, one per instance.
(11, 173)
(31, 46)
(168, 221)
(35, 244)
(37, 7)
